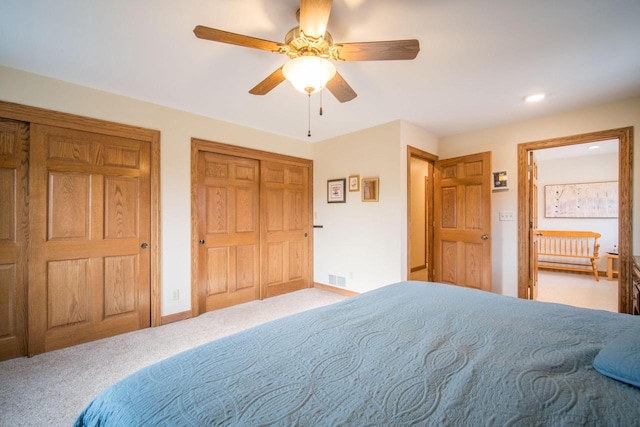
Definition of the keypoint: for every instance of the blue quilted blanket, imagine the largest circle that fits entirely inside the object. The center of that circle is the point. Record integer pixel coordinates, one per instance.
(412, 353)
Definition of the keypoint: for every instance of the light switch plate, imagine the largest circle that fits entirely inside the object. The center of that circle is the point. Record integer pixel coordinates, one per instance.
(507, 216)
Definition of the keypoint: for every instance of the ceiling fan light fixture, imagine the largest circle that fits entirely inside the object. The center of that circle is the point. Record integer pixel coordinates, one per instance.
(309, 74)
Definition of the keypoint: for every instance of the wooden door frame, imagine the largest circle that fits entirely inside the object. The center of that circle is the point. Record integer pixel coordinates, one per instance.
(198, 145)
(71, 121)
(416, 153)
(625, 205)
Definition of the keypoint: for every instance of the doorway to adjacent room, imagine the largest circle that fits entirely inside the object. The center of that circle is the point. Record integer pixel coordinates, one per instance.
(526, 222)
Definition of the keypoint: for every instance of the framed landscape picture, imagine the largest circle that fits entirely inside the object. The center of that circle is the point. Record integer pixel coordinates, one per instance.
(581, 200)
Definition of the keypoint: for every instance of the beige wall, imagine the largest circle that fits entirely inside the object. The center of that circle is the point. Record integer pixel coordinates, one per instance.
(359, 241)
(503, 141)
(365, 242)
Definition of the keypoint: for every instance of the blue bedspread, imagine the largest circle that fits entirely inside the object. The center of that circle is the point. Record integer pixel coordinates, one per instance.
(412, 353)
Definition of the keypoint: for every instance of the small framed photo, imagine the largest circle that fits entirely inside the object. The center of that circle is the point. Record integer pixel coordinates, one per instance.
(336, 190)
(370, 189)
(500, 181)
(354, 183)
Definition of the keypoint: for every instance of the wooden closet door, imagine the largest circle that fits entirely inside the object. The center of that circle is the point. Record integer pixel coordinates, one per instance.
(228, 230)
(285, 242)
(14, 216)
(89, 270)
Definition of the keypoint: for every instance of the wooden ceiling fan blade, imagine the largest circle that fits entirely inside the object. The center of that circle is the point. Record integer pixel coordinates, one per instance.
(314, 16)
(379, 51)
(341, 89)
(269, 83)
(221, 36)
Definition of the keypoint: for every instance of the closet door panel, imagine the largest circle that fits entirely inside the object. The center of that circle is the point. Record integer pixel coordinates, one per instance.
(228, 230)
(285, 235)
(14, 214)
(90, 229)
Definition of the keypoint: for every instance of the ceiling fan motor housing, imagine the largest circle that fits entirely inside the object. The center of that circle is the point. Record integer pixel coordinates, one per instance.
(297, 44)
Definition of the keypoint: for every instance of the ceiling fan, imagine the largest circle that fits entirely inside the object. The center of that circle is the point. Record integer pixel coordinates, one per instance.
(309, 44)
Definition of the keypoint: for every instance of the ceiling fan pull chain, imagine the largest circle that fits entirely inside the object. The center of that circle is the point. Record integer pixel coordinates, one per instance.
(309, 116)
(321, 90)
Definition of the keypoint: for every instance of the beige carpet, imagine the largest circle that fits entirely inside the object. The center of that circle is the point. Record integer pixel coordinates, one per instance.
(52, 388)
(579, 290)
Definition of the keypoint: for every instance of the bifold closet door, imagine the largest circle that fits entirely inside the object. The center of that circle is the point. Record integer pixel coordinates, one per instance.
(89, 268)
(286, 245)
(14, 216)
(228, 230)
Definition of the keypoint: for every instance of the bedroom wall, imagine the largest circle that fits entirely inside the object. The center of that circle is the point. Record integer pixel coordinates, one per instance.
(576, 170)
(503, 141)
(177, 128)
(365, 242)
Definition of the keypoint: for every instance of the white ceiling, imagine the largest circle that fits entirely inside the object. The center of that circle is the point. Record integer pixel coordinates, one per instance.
(478, 58)
(599, 148)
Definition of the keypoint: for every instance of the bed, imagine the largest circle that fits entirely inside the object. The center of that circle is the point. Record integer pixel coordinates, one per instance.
(411, 353)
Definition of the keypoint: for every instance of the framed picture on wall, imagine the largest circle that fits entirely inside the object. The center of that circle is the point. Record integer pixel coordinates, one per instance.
(336, 190)
(354, 183)
(581, 200)
(500, 181)
(370, 189)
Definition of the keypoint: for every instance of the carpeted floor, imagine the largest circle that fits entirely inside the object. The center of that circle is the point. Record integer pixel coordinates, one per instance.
(579, 290)
(52, 388)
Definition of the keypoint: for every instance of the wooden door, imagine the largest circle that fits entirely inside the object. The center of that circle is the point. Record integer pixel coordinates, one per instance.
(462, 216)
(286, 226)
(89, 272)
(14, 216)
(533, 227)
(229, 230)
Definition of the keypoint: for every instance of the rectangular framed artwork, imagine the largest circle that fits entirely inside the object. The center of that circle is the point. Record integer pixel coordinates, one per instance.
(370, 189)
(582, 200)
(354, 183)
(336, 190)
(500, 181)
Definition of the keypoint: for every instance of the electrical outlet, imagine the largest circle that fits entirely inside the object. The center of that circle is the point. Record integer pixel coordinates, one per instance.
(507, 216)
(176, 295)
